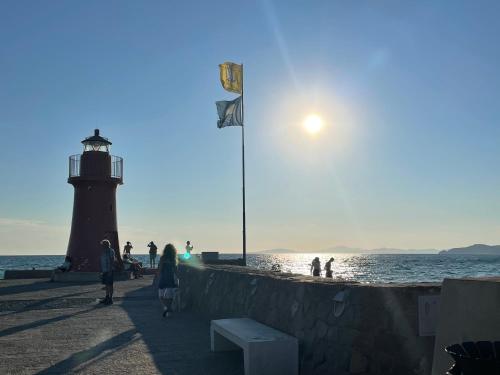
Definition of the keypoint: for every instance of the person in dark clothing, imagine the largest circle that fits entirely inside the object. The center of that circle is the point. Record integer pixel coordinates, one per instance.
(107, 261)
(316, 267)
(152, 254)
(127, 248)
(131, 264)
(168, 278)
(328, 268)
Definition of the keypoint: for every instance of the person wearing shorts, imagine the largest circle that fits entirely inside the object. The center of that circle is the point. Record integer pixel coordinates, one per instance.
(107, 261)
(168, 278)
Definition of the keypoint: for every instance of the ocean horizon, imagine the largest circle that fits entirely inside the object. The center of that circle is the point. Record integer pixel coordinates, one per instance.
(364, 268)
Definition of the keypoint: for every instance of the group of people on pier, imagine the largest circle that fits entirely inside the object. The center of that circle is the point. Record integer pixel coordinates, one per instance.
(167, 275)
(316, 268)
(153, 253)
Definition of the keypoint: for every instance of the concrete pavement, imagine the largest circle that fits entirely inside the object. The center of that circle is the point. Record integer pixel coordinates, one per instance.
(54, 328)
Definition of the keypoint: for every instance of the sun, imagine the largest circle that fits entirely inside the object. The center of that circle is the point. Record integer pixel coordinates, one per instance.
(313, 124)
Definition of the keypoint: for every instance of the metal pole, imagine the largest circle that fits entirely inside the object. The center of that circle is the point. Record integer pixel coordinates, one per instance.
(243, 170)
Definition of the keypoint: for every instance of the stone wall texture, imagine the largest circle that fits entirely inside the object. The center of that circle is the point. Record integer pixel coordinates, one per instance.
(374, 331)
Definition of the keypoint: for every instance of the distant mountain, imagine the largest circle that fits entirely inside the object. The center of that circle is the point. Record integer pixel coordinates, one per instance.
(341, 250)
(385, 250)
(349, 250)
(331, 250)
(477, 249)
(280, 251)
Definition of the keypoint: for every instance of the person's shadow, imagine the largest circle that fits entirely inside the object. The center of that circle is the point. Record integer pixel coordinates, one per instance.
(179, 344)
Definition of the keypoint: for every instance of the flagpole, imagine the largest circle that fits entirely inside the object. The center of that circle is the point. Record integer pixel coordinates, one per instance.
(243, 170)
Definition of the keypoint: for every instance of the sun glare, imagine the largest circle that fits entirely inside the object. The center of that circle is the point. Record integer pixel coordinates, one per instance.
(313, 124)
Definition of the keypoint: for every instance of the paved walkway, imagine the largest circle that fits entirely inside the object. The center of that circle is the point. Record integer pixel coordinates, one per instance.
(54, 328)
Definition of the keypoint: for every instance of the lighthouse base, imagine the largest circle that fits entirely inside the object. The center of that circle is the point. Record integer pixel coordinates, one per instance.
(88, 277)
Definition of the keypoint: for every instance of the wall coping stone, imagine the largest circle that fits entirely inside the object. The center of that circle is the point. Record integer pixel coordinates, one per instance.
(248, 271)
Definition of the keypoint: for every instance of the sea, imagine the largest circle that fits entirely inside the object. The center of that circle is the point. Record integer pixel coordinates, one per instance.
(364, 268)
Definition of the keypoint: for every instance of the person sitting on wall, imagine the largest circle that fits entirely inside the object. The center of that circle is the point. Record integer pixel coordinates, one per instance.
(316, 267)
(127, 248)
(131, 264)
(328, 268)
(66, 266)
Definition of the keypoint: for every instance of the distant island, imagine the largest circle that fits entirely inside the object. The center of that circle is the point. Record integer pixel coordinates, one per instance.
(477, 249)
(350, 250)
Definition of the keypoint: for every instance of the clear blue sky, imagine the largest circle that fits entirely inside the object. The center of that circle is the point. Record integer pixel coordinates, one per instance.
(408, 91)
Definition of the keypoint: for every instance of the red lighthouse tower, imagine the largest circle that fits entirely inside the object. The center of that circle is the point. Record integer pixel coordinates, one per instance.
(95, 174)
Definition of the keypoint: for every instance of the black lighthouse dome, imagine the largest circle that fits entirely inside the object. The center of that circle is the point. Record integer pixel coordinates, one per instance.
(96, 143)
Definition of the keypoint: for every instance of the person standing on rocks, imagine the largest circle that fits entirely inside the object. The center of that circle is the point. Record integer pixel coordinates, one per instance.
(168, 278)
(152, 254)
(107, 261)
(328, 268)
(316, 267)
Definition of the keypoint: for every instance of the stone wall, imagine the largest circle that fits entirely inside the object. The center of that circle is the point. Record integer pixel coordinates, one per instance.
(374, 331)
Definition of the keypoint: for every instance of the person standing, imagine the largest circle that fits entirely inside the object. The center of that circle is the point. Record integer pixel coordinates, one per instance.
(127, 248)
(316, 267)
(107, 261)
(189, 248)
(168, 278)
(152, 254)
(328, 268)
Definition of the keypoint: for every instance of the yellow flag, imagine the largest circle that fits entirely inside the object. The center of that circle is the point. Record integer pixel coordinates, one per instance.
(231, 77)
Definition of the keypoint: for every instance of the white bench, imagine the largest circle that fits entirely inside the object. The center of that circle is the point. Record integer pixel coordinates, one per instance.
(266, 351)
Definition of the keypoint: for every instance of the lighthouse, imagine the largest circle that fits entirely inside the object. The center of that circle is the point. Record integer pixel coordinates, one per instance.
(95, 175)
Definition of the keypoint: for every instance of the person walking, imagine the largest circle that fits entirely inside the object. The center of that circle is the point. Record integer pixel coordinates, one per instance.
(107, 260)
(316, 267)
(152, 254)
(168, 278)
(328, 268)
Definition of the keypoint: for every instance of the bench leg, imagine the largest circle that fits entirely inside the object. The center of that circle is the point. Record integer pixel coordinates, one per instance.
(219, 343)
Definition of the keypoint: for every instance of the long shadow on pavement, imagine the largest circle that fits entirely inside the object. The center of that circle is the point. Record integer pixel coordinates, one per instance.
(87, 357)
(39, 323)
(180, 344)
(31, 287)
(16, 306)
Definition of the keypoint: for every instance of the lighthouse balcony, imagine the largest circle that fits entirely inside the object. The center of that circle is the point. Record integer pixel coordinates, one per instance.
(99, 166)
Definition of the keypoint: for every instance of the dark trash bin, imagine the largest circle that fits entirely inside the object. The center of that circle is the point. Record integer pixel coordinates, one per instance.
(475, 358)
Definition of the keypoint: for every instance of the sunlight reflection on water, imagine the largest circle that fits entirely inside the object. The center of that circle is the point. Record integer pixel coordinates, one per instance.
(368, 268)
(371, 268)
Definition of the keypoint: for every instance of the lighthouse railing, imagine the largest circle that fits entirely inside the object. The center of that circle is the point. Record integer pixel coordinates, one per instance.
(116, 167)
(74, 165)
